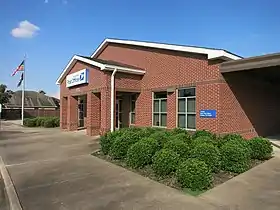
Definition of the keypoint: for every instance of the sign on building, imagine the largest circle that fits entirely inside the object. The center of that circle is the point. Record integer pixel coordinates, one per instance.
(208, 113)
(77, 78)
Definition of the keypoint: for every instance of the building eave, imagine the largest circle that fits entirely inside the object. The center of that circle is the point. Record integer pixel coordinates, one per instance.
(101, 66)
(211, 53)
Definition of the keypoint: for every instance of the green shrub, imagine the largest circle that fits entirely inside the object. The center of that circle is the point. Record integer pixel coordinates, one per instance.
(165, 161)
(39, 121)
(141, 153)
(194, 174)
(56, 122)
(230, 137)
(235, 157)
(202, 133)
(179, 147)
(185, 137)
(209, 154)
(261, 148)
(176, 131)
(107, 140)
(122, 143)
(29, 122)
(161, 137)
(49, 123)
(204, 139)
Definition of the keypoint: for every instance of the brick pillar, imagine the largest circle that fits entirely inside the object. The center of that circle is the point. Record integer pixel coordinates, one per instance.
(143, 109)
(63, 113)
(72, 114)
(171, 110)
(93, 114)
(105, 109)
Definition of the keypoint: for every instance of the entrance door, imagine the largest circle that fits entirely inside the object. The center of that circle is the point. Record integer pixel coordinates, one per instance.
(81, 111)
(118, 122)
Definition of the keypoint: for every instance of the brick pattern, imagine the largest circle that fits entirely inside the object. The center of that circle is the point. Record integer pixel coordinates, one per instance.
(171, 110)
(169, 69)
(72, 117)
(63, 113)
(93, 113)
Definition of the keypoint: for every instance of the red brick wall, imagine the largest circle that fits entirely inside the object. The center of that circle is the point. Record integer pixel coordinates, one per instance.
(93, 113)
(166, 69)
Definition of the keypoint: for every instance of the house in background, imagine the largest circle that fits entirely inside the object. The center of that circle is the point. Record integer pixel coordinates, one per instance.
(35, 104)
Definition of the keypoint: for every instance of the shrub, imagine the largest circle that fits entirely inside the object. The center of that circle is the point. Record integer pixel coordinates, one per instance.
(185, 137)
(107, 140)
(161, 137)
(230, 137)
(56, 122)
(235, 157)
(40, 121)
(176, 131)
(194, 174)
(204, 139)
(49, 123)
(141, 153)
(179, 147)
(261, 148)
(122, 143)
(209, 154)
(165, 161)
(202, 133)
(29, 122)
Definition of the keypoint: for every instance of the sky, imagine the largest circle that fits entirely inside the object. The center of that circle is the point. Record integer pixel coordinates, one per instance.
(50, 32)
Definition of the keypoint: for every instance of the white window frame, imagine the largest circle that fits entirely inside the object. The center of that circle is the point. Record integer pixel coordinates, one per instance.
(130, 109)
(186, 113)
(159, 99)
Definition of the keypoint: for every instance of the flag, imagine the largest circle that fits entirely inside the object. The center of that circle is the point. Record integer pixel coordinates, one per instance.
(21, 79)
(19, 68)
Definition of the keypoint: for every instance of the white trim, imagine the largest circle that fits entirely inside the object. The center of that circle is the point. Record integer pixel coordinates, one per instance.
(211, 53)
(112, 128)
(97, 64)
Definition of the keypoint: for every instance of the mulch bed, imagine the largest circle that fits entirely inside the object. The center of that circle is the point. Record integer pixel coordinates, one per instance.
(219, 178)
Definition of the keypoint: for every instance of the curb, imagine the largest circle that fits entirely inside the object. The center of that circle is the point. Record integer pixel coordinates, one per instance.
(13, 200)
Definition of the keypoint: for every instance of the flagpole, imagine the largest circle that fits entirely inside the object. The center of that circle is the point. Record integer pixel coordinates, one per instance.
(22, 93)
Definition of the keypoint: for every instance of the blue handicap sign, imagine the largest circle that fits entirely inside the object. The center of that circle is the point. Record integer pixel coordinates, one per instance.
(82, 76)
(208, 113)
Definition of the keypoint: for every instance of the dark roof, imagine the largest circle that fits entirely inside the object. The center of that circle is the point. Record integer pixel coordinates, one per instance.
(110, 62)
(32, 99)
(268, 60)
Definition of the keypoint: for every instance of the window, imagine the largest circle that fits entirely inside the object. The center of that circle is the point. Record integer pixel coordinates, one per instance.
(160, 109)
(186, 108)
(132, 109)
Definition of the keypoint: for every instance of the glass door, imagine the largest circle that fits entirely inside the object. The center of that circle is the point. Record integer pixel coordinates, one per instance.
(81, 111)
(118, 123)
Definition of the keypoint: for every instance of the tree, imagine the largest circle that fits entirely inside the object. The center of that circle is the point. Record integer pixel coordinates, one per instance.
(5, 94)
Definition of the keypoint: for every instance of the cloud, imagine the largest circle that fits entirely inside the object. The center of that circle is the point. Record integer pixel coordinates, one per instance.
(65, 2)
(25, 29)
(46, 1)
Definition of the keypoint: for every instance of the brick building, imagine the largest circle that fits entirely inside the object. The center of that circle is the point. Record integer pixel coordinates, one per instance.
(133, 83)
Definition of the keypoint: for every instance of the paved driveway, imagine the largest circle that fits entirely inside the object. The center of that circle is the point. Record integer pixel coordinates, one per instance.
(53, 170)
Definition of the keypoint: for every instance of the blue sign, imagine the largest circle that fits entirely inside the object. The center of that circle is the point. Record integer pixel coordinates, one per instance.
(208, 113)
(77, 78)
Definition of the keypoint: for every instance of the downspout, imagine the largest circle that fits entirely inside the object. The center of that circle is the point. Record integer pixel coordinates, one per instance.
(113, 99)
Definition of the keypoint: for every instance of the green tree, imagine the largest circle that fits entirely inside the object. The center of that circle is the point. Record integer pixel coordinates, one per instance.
(4, 94)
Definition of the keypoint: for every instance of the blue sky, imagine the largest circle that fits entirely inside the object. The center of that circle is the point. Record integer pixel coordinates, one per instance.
(62, 28)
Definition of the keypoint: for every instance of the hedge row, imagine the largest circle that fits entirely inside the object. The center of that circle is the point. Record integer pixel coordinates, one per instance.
(47, 122)
(191, 158)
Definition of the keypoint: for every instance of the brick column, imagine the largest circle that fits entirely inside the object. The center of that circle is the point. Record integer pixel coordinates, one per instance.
(105, 109)
(143, 109)
(171, 110)
(72, 114)
(93, 114)
(63, 113)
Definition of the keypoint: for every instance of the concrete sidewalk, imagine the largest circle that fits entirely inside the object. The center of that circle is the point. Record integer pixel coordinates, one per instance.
(53, 170)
